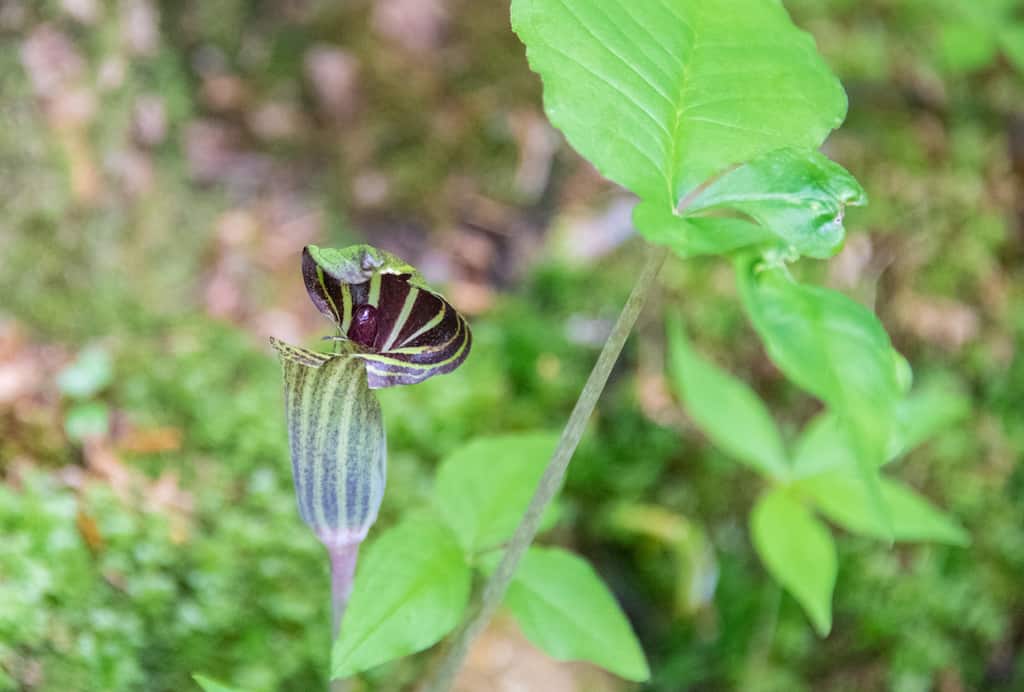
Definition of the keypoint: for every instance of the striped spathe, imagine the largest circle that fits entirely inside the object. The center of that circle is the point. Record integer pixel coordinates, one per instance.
(404, 331)
(337, 441)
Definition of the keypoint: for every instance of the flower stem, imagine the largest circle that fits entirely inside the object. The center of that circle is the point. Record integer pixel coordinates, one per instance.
(551, 481)
(343, 568)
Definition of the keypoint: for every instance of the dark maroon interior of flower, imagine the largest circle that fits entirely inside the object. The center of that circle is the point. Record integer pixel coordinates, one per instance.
(364, 326)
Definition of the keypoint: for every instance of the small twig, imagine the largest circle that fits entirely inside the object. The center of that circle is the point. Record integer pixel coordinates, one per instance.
(497, 585)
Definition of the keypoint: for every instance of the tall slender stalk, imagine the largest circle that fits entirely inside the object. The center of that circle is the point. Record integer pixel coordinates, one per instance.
(551, 481)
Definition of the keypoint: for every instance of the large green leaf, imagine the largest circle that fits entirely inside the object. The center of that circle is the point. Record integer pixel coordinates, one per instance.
(725, 408)
(410, 590)
(565, 609)
(836, 349)
(483, 488)
(662, 94)
(798, 551)
(841, 497)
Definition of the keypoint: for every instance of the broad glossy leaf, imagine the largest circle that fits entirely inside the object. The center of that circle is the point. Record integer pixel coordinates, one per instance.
(800, 196)
(725, 408)
(841, 497)
(483, 488)
(411, 587)
(404, 332)
(836, 349)
(337, 442)
(662, 94)
(564, 608)
(798, 552)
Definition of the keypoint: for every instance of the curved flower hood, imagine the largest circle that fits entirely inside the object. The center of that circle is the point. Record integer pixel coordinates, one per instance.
(402, 330)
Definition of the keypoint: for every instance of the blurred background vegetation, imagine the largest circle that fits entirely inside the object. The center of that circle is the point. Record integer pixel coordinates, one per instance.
(164, 162)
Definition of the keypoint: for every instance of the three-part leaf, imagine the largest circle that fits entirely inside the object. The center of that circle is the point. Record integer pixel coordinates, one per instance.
(842, 497)
(798, 551)
(410, 590)
(662, 94)
(725, 408)
(564, 608)
(836, 349)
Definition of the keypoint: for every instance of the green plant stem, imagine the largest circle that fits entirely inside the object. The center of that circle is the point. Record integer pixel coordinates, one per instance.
(551, 481)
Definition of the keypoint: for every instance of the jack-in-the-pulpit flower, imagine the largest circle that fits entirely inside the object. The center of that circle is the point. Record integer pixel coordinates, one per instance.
(392, 330)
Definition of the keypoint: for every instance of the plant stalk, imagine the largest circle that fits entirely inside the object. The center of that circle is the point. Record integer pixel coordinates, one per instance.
(551, 481)
(343, 569)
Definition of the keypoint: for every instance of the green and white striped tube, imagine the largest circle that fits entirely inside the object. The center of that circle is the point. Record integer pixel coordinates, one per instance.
(336, 435)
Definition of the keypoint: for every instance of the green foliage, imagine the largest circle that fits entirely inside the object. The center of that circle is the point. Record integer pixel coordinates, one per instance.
(829, 476)
(842, 498)
(974, 32)
(483, 488)
(410, 589)
(799, 196)
(732, 415)
(798, 551)
(211, 685)
(660, 96)
(411, 586)
(836, 349)
(564, 608)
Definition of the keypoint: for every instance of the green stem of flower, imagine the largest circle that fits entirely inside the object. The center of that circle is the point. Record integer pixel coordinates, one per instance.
(551, 482)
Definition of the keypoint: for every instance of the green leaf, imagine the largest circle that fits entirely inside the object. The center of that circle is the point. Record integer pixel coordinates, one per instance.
(483, 488)
(410, 589)
(86, 420)
(725, 408)
(837, 350)
(798, 552)
(923, 413)
(966, 47)
(822, 445)
(89, 374)
(841, 497)
(800, 196)
(698, 235)
(662, 94)
(1012, 39)
(565, 609)
(211, 685)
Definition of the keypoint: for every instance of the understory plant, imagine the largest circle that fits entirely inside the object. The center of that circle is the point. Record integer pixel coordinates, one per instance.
(712, 113)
